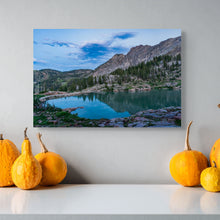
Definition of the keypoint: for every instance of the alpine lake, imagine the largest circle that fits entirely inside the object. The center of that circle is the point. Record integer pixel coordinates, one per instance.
(111, 105)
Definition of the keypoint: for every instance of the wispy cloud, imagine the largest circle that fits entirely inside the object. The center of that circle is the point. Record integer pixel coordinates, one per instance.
(88, 48)
(124, 35)
(100, 49)
(59, 44)
(39, 62)
(90, 53)
(94, 49)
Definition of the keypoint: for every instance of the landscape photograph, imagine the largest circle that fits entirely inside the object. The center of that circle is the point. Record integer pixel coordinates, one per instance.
(107, 78)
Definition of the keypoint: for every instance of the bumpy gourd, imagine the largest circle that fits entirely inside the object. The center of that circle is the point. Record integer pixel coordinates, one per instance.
(214, 156)
(26, 170)
(186, 166)
(8, 154)
(54, 167)
(210, 178)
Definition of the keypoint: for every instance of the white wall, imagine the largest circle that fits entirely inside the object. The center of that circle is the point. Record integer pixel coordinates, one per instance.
(114, 155)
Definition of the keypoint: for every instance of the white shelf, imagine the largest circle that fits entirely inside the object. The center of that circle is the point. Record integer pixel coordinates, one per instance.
(109, 200)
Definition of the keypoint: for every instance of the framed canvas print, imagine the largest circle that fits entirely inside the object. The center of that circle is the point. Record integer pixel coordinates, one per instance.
(107, 77)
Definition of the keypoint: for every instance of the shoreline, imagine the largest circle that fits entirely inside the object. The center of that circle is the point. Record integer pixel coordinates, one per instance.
(51, 116)
(59, 94)
(163, 117)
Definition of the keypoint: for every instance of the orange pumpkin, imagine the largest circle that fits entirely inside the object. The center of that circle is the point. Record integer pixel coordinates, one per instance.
(8, 154)
(214, 156)
(186, 166)
(54, 167)
(26, 170)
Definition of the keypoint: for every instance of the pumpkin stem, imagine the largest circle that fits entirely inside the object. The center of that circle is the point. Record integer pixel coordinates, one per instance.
(25, 134)
(214, 164)
(187, 146)
(43, 147)
(1, 137)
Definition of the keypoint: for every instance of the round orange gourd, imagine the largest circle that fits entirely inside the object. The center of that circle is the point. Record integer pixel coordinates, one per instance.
(186, 166)
(26, 170)
(54, 167)
(214, 156)
(8, 154)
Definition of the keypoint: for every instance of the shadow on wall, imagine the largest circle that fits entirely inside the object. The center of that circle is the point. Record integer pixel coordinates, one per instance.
(74, 177)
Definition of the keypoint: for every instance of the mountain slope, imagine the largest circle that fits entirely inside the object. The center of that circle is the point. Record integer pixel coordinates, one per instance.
(139, 54)
(45, 74)
(53, 80)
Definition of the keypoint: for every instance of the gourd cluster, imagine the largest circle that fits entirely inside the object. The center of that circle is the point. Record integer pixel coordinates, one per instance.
(191, 167)
(27, 171)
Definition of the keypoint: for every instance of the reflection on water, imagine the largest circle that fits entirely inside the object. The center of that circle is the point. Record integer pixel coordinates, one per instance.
(139, 101)
(116, 105)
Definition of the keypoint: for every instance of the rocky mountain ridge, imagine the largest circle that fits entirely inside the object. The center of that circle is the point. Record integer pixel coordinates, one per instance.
(139, 54)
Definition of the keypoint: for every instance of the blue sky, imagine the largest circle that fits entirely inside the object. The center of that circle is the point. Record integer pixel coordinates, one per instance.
(69, 49)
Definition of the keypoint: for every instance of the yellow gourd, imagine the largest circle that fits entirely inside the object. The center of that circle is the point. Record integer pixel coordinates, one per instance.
(210, 179)
(54, 167)
(26, 170)
(186, 166)
(8, 154)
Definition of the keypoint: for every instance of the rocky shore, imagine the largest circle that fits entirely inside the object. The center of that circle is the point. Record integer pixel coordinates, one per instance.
(165, 117)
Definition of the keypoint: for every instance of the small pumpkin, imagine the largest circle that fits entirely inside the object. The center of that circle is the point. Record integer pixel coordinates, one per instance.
(26, 170)
(9, 153)
(186, 166)
(210, 178)
(214, 156)
(54, 167)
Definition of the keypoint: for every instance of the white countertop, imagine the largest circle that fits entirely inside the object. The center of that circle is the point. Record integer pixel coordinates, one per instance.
(109, 199)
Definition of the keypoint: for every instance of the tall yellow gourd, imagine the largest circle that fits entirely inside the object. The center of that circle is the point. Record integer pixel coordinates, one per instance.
(8, 154)
(54, 167)
(26, 170)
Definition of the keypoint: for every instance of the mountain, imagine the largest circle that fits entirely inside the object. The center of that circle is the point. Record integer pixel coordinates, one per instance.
(143, 62)
(50, 74)
(135, 56)
(80, 73)
(139, 54)
(48, 79)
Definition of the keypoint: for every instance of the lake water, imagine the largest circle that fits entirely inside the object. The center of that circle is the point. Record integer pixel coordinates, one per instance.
(117, 105)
